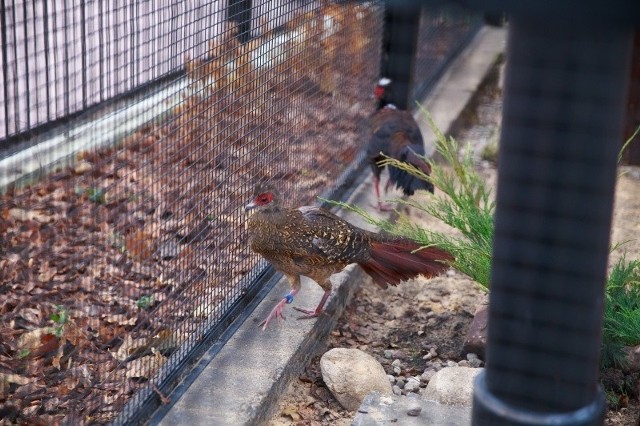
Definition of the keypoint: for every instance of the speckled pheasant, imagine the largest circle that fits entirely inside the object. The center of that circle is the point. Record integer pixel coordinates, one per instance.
(314, 242)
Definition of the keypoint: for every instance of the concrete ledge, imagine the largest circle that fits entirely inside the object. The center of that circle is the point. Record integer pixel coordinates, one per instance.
(242, 384)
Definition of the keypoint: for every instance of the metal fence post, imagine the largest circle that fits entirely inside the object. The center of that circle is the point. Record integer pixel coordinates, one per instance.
(563, 110)
(239, 11)
(401, 25)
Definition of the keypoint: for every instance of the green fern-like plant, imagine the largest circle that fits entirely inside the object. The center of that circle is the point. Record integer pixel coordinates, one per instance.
(621, 324)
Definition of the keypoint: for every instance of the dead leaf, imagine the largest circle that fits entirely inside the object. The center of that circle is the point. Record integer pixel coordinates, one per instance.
(46, 273)
(34, 339)
(120, 319)
(292, 413)
(131, 347)
(23, 215)
(145, 367)
(139, 245)
(7, 379)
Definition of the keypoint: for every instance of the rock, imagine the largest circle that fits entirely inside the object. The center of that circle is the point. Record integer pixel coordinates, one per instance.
(397, 370)
(473, 360)
(388, 354)
(377, 410)
(464, 363)
(351, 374)
(633, 357)
(400, 383)
(412, 384)
(396, 363)
(476, 340)
(413, 407)
(391, 378)
(427, 375)
(452, 386)
(396, 390)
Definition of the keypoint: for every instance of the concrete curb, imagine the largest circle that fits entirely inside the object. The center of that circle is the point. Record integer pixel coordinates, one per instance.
(242, 384)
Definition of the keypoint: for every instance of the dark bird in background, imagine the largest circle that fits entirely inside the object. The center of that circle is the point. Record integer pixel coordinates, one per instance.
(314, 242)
(395, 134)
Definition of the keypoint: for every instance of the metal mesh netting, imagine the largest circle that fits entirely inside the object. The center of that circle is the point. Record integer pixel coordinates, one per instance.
(131, 138)
(445, 29)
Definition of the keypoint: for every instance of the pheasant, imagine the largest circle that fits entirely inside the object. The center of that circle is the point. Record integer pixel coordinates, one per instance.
(395, 134)
(314, 242)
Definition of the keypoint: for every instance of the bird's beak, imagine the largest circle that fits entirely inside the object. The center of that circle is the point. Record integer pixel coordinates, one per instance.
(250, 207)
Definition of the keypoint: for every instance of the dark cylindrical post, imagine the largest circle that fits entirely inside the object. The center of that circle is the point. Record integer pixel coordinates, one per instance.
(239, 11)
(564, 102)
(401, 25)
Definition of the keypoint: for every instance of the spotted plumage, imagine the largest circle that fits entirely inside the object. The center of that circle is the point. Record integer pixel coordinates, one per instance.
(314, 242)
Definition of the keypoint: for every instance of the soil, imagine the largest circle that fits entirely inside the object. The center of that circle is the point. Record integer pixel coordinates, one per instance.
(421, 314)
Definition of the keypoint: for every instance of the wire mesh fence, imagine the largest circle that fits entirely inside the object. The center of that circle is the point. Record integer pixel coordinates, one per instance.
(131, 138)
(445, 28)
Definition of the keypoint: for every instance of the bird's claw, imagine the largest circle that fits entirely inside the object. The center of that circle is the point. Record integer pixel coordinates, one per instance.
(383, 207)
(276, 312)
(308, 313)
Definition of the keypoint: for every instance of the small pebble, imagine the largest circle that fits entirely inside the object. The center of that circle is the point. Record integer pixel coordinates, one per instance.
(412, 384)
(388, 353)
(392, 379)
(474, 361)
(428, 356)
(396, 390)
(427, 375)
(451, 363)
(396, 363)
(431, 322)
(464, 363)
(400, 383)
(397, 369)
(413, 408)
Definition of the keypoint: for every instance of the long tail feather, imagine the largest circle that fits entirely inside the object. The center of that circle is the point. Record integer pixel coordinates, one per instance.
(406, 181)
(394, 261)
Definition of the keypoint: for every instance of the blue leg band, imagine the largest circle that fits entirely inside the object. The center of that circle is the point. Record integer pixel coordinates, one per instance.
(288, 297)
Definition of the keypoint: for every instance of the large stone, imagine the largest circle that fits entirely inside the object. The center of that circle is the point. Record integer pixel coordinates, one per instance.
(452, 386)
(351, 374)
(476, 340)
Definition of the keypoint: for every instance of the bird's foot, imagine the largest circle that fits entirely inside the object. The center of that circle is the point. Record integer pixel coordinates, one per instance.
(308, 313)
(276, 312)
(383, 207)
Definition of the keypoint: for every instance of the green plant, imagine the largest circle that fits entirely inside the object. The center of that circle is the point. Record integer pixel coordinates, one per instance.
(60, 317)
(621, 323)
(145, 302)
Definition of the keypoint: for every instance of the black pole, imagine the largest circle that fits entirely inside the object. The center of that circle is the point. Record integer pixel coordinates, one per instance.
(239, 11)
(400, 38)
(562, 120)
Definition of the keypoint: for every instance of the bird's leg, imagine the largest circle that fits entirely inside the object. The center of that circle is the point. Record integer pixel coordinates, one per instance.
(383, 207)
(313, 313)
(276, 312)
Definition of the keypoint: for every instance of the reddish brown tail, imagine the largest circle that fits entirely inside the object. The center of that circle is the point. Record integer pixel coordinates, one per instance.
(393, 261)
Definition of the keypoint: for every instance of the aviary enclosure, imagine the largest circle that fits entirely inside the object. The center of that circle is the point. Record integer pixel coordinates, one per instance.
(131, 134)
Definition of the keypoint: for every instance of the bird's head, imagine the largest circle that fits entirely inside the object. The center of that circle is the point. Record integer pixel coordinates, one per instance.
(265, 198)
(381, 88)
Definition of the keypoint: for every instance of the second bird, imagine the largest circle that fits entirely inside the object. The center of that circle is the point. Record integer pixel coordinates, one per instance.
(314, 242)
(395, 134)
